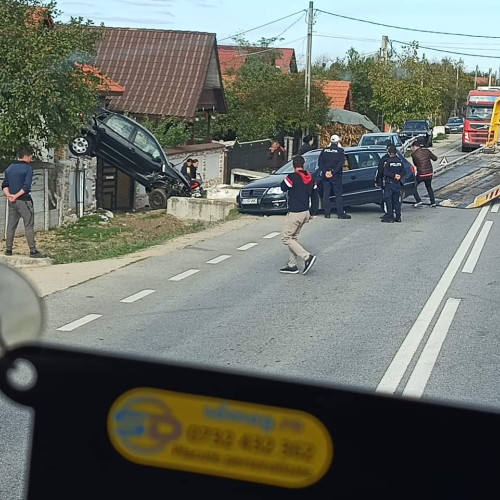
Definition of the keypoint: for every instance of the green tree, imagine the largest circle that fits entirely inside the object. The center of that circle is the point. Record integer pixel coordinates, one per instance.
(43, 85)
(170, 132)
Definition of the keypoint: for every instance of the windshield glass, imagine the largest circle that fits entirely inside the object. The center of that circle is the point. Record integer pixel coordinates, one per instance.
(375, 140)
(480, 113)
(455, 120)
(414, 126)
(311, 165)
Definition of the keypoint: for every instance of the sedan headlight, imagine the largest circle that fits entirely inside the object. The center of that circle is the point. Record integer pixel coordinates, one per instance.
(274, 190)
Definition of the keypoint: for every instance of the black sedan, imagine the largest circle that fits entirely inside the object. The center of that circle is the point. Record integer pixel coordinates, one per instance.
(455, 125)
(265, 196)
(131, 148)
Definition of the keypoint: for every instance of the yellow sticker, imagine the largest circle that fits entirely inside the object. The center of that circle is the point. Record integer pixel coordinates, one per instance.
(246, 441)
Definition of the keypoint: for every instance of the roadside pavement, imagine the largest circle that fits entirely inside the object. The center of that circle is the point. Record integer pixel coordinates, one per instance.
(48, 279)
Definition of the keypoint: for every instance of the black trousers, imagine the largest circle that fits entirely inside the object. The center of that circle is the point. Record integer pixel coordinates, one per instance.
(428, 185)
(392, 198)
(335, 185)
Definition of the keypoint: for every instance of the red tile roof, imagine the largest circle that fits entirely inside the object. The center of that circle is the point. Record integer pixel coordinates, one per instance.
(339, 92)
(166, 73)
(232, 58)
(108, 86)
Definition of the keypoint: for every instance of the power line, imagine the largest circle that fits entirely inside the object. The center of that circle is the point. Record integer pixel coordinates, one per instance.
(449, 51)
(263, 26)
(407, 29)
(324, 35)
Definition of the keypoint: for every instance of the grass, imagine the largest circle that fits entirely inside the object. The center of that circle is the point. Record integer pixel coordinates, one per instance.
(439, 137)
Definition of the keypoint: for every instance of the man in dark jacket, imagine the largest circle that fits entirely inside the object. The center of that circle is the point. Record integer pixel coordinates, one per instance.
(302, 204)
(17, 189)
(307, 145)
(277, 155)
(422, 160)
(187, 169)
(394, 171)
(331, 162)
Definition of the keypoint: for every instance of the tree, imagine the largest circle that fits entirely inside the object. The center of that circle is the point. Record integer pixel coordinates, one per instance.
(43, 85)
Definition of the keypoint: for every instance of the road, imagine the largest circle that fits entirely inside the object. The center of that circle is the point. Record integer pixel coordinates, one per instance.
(405, 308)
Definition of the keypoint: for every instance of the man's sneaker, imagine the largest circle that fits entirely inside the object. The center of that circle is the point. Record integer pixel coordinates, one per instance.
(397, 219)
(386, 219)
(309, 263)
(343, 216)
(37, 255)
(289, 270)
(433, 205)
(8, 252)
(418, 205)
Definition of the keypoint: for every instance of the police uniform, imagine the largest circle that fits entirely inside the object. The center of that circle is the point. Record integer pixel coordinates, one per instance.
(392, 188)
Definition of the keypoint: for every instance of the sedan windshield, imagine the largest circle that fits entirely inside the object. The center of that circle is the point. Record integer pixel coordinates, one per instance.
(311, 165)
(480, 113)
(414, 126)
(375, 140)
(455, 121)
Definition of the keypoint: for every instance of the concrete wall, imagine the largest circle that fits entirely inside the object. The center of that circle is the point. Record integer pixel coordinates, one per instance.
(199, 208)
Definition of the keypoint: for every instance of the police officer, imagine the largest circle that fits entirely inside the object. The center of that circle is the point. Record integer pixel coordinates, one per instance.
(394, 172)
(330, 162)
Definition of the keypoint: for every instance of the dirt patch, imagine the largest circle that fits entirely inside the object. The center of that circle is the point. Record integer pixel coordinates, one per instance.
(98, 237)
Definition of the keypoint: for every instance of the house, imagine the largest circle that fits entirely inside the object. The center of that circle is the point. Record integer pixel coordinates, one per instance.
(233, 57)
(340, 93)
(166, 73)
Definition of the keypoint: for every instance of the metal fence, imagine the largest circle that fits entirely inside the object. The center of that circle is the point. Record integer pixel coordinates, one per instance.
(249, 156)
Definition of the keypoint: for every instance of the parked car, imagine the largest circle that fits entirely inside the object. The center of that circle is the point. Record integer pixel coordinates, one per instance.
(454, 125)
(417, 128)
(381, 139)
(131, 148)
(265, 196)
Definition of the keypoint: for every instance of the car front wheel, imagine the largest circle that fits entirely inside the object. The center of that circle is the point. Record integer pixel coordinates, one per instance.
(81, 146)
(158, 198)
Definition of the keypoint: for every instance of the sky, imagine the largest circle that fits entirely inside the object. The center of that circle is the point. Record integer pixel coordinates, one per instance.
(332, 36)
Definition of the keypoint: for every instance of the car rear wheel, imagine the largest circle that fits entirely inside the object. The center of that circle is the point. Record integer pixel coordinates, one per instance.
(158, 198)
(81, 146)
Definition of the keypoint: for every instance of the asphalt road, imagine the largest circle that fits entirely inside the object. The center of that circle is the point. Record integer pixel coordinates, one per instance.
(362, 318)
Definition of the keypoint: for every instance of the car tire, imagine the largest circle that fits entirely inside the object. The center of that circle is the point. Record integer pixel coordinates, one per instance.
(81, 146)
(158, 198)
(465, 149)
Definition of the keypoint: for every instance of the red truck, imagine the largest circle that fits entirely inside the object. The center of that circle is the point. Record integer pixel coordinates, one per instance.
(478, 116)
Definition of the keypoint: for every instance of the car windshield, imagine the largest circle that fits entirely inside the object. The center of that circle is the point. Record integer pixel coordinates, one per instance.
(480, 113)
(414, 126)
(375, 140)
(455, 121)
(311, 165)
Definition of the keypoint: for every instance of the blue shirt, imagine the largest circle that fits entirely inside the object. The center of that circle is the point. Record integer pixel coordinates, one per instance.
(19, 176)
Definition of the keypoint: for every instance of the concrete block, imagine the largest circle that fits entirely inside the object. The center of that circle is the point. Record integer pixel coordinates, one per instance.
(199, 208)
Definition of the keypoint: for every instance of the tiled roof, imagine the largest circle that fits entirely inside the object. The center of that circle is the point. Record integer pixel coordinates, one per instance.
(232, 58)
(339, 92)
(108, 86)
(165, 73)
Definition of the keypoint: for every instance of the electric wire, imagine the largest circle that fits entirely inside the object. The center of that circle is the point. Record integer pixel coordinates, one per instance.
(449, 51)
(407, 29)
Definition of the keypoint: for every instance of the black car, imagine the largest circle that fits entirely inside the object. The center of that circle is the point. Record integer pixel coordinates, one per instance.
(360, 169)
(131, 148)
(417, 128)
(455, 125)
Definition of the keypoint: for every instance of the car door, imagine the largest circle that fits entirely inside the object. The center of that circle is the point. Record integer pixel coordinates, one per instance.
(359, 179)
(146, 152)
(114, 133)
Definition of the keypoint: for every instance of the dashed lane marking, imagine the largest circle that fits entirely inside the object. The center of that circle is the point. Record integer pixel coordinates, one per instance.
(79, 322)
(477, 248)
(219, 259)
(271, 235)
(495, 207)
(184, 275)
(137, 296)
(247, 246)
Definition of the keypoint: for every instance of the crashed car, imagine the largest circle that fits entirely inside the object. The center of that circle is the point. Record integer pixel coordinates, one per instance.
(131, 148)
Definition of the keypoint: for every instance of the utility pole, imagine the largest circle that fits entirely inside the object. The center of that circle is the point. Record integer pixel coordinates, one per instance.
(489, 79)
(310, 15)
(455, 111)
(475, 78)
(384, 50)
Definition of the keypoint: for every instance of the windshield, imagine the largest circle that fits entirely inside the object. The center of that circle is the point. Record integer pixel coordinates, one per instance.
(414, 126)
(455, 120)
(375, 140)
(480, 113)
(311, 165)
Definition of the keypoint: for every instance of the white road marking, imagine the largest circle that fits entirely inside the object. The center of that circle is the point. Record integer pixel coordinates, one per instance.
(218, 259)
(495, 207)
(270, 235)
(403, 357)
(79, 322)
(477, 248)
(137, 296)
(427, 360)
(247, 246)
(184, 275)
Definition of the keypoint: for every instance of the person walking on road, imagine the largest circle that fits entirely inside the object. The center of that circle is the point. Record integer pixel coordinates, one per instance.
(277, 155)
(331, 162)
(307, 145)
(302, 204)
(393, 173)
(422, 160)
(17, 188)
